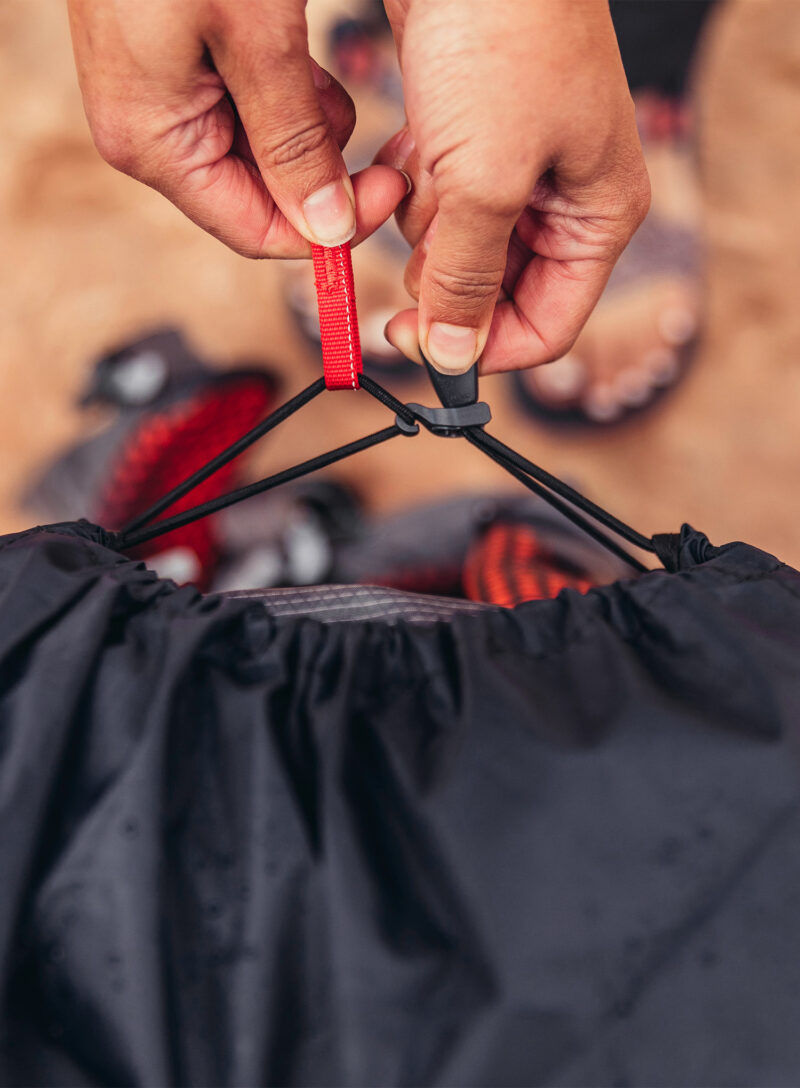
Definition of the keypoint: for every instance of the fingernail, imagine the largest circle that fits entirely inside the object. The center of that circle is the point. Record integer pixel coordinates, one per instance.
(452, 348)
(322, 79)
(409, 182)
(330, 215)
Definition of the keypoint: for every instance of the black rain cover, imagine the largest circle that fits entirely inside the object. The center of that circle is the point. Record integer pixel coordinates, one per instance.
(559, 845)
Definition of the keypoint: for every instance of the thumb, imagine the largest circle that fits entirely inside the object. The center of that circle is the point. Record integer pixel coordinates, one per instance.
(460, 282)
(276, 88)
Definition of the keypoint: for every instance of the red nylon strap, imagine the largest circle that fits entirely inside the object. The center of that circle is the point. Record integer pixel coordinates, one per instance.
(338, 323)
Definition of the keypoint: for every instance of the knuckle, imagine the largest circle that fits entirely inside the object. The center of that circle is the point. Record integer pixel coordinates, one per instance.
(114, 144)
(478, 189)
(217, 18)
(556, 347)
(628, 202)
(468, 285)
(509, 205)
(275, 35)
(297, 146)
(632, 184)
(482, 197)
(500, 203)
(640, 196)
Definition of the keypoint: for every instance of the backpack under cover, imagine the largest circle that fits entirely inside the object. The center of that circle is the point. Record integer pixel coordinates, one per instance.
(555, 845)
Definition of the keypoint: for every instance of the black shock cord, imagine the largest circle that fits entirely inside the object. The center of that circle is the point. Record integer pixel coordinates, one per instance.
(489, 442)
(538, 480)
(548, 487)
(140, 536)
(386, 399)
(237, 447)
(475, 436)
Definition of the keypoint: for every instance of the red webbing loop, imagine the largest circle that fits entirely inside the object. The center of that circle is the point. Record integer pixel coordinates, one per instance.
(338, 323)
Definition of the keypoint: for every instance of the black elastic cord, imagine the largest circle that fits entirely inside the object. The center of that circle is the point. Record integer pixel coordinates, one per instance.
(475, 436)
(239, 446)
(386, 398)
(536, 479)
(131, 539)
(488, 442)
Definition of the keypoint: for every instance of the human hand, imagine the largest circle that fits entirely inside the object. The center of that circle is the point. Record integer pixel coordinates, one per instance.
(528, 175)
(218, 105)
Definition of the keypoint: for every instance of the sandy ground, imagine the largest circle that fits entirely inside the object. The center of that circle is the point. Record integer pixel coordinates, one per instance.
(90, 257)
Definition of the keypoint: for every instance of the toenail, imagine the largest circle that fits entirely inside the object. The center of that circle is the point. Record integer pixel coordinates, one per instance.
(677, 325)
(601, 405)
(633, 387)
(663, 365)
(564, 378)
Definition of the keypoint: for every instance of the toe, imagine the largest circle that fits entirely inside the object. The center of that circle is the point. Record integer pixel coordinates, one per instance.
(633, 387)
(601, 404)
(662, 365)
(677, 325)
(560, 383)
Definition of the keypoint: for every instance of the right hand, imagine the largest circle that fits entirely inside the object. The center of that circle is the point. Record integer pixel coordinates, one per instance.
(219, 106)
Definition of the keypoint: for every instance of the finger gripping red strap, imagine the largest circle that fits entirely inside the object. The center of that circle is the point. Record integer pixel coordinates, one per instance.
(338, 323)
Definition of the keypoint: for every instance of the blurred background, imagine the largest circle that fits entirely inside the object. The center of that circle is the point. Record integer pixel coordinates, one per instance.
(93, 262)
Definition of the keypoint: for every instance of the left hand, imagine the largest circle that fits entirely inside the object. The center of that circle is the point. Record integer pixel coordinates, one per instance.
(528, 175)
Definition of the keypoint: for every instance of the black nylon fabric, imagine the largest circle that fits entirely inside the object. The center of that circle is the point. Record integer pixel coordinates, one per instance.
(557, 845)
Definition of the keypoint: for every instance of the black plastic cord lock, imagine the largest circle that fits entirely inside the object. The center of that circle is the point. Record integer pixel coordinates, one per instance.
(460, 406)
(454, 390)
(406, 426)
(448, 422)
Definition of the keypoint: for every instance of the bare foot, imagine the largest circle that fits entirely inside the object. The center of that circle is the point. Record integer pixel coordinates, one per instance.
(633, 346)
